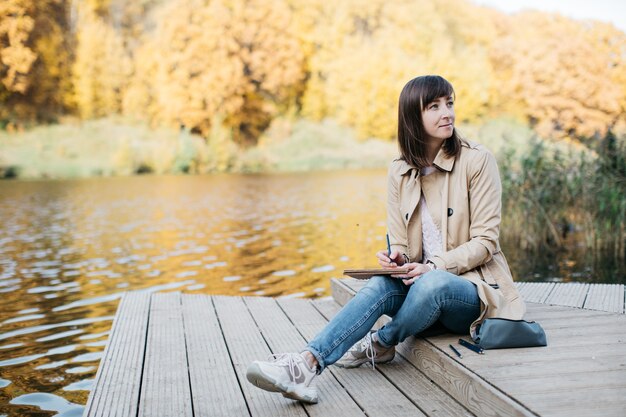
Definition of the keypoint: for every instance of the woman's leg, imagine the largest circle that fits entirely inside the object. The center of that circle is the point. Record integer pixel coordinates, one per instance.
(436, 295)
(381, 295)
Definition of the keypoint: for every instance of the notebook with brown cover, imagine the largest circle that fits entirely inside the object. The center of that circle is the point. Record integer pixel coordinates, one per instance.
(368, 273)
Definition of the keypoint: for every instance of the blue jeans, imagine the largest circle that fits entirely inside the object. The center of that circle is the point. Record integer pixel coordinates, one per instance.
(436, 296)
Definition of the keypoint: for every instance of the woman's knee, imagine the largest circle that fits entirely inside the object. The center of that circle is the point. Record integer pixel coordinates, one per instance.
(441, 285)
(379, 285)
(433, 282)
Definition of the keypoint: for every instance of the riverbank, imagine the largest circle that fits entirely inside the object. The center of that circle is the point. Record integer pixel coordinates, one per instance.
(122, 147)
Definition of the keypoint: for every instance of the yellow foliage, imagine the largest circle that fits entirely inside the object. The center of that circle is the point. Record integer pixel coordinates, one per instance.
(236, 59)
(101, 68)
(34, 59)
(100, 8)
(16, 56)
(245, 62)
(562, 74)
(140, 95)
(366, 51)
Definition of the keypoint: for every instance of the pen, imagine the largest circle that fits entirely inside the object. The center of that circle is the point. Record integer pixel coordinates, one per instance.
(456, 352)
(471, 346)
(389, 248)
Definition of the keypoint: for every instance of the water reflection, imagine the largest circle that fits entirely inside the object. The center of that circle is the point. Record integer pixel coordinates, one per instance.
(49, 402)
(69, 249)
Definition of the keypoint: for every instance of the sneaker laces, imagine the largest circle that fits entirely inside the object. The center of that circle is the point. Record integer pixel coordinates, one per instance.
(367, 345)
(288, 360)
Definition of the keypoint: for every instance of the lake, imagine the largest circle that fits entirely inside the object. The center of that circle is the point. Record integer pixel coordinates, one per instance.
(69, 249)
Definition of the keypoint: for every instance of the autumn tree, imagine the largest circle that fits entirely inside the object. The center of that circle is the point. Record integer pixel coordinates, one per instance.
(565, 77)
(35, 52)
(231, 60)
(102, 66)
(364, 52)
(140, 98)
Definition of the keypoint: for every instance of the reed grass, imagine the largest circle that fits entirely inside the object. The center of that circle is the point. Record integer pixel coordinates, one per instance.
(555, 195)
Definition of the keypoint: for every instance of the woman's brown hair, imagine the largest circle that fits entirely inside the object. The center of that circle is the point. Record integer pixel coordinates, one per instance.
(415, 96)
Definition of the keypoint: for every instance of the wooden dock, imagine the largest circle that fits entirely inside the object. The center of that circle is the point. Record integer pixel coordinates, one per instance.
(186, 355)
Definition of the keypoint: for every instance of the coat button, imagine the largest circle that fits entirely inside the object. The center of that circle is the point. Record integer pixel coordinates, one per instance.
(450, 211)
(407, 216)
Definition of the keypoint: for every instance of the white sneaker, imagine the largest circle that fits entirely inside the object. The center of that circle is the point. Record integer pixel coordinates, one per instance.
(288, 373)
(366, 350)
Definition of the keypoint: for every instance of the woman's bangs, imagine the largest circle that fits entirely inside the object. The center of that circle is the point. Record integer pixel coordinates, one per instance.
(436, 87)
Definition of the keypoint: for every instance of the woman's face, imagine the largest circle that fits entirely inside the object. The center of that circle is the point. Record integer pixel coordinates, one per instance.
(438, 118)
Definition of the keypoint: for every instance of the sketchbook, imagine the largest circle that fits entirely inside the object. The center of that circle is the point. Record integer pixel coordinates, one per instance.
(368, 273)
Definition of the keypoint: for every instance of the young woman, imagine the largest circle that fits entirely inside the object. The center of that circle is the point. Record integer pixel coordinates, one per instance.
(443, 215)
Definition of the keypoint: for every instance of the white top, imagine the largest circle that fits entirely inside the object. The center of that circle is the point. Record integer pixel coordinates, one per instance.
(431, 236)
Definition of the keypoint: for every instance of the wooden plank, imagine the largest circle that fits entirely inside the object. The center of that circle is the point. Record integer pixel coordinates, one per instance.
(608, 297)
(563, 367)
(550, 312)
(281, 335)
(215, 388)
(598, 409)
(523, 356)
(366, 386)
(165, 387)
(568, 294)
(536, 292)
(118, 380)
(576, 402)
(584, 320)
(341, 290)
(431, 399)
(353, 284)
(566, 383)
(465, 386)
(558, 347)
(246, 344)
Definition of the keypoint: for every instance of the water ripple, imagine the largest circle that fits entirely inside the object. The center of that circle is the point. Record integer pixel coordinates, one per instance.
(60, 335)
(284, 273)
(50, 402)
(24, 318)
(67, 285)
(45, 327)
(325, 268)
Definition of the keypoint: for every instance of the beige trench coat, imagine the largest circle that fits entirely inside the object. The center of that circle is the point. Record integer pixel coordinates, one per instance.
(464, 200)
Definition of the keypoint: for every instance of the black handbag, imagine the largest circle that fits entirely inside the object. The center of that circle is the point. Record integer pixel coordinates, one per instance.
(498, 333)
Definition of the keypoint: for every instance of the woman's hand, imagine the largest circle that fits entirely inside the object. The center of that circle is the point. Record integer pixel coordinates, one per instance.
(389, 260)
(416, 270)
